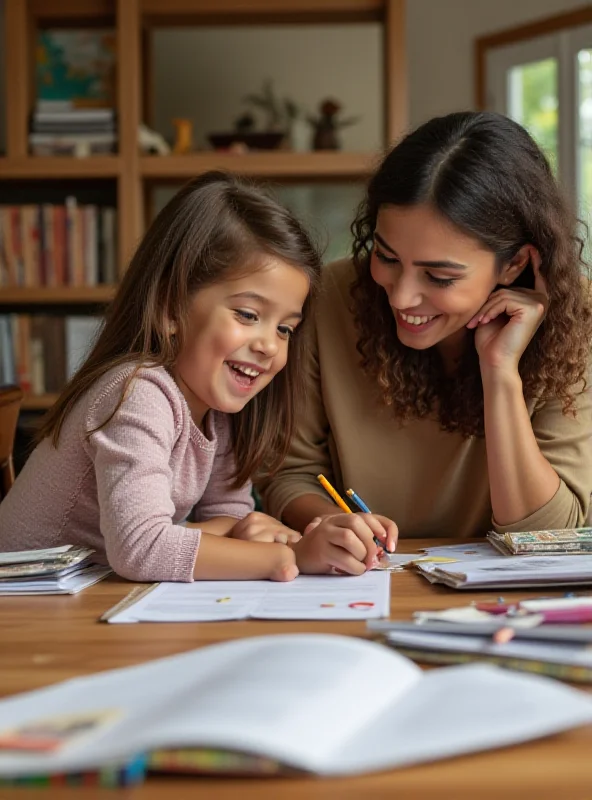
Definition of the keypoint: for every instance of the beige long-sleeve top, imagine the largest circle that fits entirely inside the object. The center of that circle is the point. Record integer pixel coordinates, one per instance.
(430, 482)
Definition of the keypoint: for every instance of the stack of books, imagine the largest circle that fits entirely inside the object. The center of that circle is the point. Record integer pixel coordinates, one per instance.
(559, 651)
(57, 570)
(569, 541)
(60, 128)
(513, 572)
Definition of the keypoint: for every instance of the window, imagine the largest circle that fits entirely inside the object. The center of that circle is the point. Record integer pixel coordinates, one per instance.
(545, 83)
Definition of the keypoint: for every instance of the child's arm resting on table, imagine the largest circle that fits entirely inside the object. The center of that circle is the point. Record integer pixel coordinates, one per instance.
(255, 527)
(220, 558)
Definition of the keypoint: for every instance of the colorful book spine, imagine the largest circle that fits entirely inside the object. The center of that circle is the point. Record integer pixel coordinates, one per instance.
(115, 776)
(563, 672)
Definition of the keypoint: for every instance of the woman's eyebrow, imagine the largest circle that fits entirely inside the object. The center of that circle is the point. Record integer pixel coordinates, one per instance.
(445, 264)
(440, 264)
(382, 243)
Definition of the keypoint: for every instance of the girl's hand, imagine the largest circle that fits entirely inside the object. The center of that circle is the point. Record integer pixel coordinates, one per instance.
(283, 565)
(258, 527)
(507, 322)
(344, 543)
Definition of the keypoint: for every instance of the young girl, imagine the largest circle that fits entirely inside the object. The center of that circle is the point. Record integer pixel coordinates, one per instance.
(214, 299)
(448, 386)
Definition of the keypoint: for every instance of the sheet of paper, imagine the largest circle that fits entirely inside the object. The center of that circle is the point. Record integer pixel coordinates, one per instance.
(396, 561)
(308, 597)
(365, 596)
(200, 601)
(464, 552)
(66, 584)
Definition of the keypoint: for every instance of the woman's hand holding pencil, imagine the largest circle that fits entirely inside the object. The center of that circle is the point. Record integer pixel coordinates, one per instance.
(344, 542)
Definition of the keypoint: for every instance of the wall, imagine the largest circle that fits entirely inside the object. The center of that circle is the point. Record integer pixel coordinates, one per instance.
(440, 41)
(204, 74)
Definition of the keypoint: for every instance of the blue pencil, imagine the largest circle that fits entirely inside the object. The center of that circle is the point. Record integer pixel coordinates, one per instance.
(358, 501)
(363, 507)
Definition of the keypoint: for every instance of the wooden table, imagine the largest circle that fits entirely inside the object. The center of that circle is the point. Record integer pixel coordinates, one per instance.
(49, 639)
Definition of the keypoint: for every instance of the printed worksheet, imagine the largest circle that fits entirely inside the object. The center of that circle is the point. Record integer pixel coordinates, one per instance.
(319, 597)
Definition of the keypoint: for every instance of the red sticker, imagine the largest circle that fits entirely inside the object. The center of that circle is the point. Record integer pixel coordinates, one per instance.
(361, 605)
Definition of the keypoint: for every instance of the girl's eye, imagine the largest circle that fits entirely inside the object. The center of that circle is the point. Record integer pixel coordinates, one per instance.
(442, 282)
(285, 331)
(384, 258)
(248, 316)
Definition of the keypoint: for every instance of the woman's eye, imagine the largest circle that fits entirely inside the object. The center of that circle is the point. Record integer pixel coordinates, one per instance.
(285, 331)
(443, 282)
(248, 316)
(384, 258)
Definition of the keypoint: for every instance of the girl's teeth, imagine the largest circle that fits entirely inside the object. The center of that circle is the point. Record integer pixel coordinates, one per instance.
(252, 373)
(413, 320)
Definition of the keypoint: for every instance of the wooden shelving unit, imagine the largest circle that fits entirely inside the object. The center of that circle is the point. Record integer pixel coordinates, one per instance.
(275, 164)
(35, 167)
(59, 295)
(39, 402)
(133, 174)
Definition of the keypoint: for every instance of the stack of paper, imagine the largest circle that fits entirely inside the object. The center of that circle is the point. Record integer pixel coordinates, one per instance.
(511, 572)
(57, 570)
(570, 541)
(561, 651)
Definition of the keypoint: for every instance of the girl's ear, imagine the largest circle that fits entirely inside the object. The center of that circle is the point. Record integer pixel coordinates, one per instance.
(527, 255)
(171, 326)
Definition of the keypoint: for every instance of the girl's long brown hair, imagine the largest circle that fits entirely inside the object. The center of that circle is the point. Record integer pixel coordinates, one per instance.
(215, 225)
(485, 174)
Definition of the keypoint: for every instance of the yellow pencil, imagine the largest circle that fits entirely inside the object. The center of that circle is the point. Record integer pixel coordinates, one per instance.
(331, 491)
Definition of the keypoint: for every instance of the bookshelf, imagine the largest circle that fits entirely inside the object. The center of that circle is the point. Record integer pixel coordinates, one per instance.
(131, 175)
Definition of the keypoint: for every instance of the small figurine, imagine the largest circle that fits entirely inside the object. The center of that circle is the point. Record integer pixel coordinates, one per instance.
(152, 142)
(183, 136)
(326, 126)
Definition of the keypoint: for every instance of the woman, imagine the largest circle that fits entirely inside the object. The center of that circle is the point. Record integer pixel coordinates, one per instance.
(449, 370)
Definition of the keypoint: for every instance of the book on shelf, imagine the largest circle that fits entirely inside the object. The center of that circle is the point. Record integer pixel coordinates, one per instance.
(75, 78)
(54, 245)
(41, 352)
(296, 699)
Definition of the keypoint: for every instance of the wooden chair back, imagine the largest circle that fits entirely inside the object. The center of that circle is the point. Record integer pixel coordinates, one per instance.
(10, 401)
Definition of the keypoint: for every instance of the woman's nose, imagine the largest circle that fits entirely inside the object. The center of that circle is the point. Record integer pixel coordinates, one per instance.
(403, 292)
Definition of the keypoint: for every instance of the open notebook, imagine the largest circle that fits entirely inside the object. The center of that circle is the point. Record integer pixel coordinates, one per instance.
(304, 700)
(319, 597)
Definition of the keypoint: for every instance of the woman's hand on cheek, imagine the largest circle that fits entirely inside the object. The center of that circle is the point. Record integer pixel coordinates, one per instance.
(259, 527)
(343, 543)
(506, 324)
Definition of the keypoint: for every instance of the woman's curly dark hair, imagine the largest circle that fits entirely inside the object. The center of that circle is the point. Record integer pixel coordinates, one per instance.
(485, 174)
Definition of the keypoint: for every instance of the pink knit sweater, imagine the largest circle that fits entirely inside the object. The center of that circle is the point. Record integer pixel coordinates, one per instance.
(127, 489)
